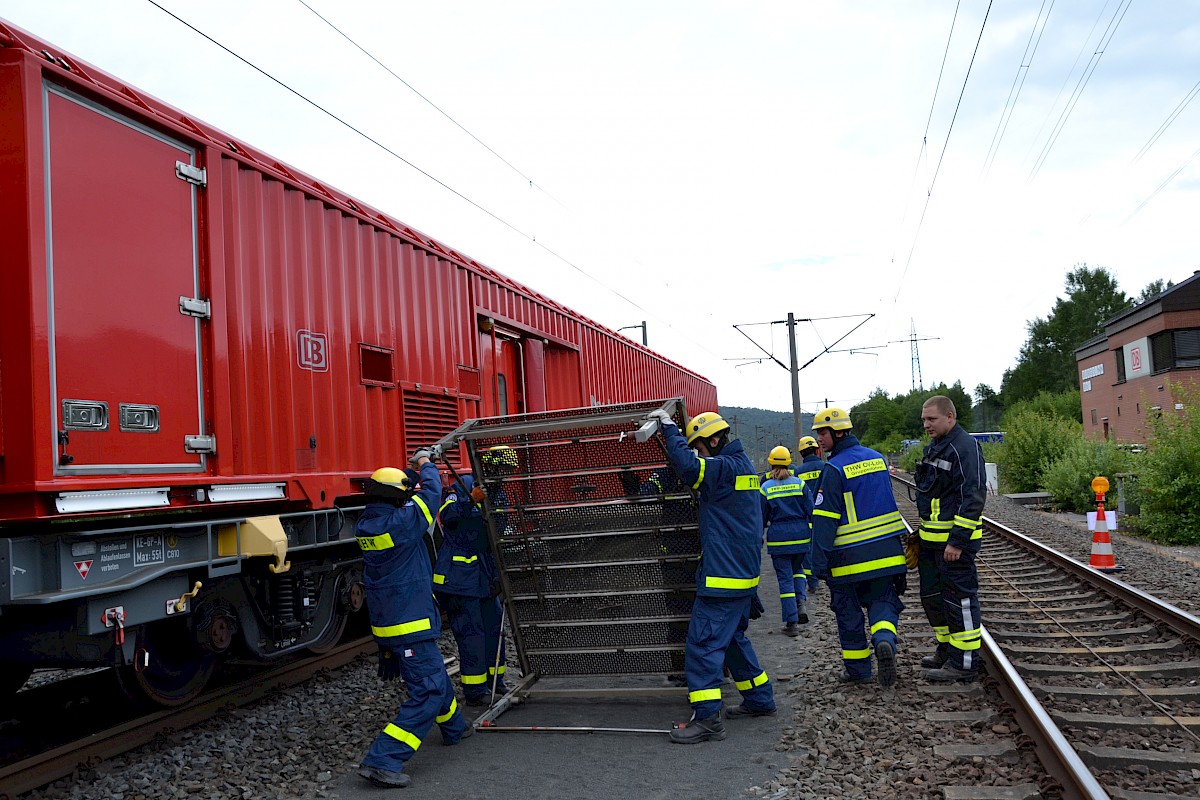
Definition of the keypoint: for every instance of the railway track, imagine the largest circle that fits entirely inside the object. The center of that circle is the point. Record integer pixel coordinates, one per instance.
(46, 765)
(1103, 679)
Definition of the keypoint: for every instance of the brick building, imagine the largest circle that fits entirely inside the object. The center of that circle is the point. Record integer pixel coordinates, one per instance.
(1126, 372)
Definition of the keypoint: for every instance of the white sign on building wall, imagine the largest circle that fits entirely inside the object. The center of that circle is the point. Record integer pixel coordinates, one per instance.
(1137, 358)
(1085, 377)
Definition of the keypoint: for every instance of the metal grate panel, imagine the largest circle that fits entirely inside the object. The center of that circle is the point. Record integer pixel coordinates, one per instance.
(596, 540)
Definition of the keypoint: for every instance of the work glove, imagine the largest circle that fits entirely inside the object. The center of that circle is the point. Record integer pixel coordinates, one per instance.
(494, 588)
(756, 607)
(389, 664)
(417, 456)
(900, 582)
(663, 417)
(478, 494)
(435, 453)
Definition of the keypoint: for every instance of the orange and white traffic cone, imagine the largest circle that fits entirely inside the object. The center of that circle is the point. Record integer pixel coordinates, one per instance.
(1102, 553)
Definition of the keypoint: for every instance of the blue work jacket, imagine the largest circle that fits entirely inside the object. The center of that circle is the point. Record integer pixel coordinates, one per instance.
(787, 513)
(730, 515)
(810, 471)
(397, 574)
(856, 525)
(465, 565)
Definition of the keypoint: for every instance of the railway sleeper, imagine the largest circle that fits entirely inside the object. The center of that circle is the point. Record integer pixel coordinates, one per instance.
(1008, 634)
(1184, 668)
(1119, 722)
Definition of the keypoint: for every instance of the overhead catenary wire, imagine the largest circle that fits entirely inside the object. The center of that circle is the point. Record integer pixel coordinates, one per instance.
(945, 145)
(1081, 84)
(1014, 92)
(432, 104)
(923, 149)
(423, 172)
(1167, 123)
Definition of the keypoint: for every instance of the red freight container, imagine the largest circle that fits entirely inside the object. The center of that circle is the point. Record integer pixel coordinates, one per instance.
(186, 322)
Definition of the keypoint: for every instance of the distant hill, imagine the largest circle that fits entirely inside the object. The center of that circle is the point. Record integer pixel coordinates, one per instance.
(760, 430)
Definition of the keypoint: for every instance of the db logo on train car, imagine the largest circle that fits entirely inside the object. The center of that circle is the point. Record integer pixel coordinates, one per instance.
(312, 351)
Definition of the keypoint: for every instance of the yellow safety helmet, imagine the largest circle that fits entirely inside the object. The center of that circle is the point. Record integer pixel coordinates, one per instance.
(500, 456)
(390, 476)
(389, 482)
(779, 457)
(835, 418)
(807, 442)
(705, 425)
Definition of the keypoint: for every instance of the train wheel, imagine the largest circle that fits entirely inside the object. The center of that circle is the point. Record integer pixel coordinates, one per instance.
(351, 600)
(170, 667)
(13, 677)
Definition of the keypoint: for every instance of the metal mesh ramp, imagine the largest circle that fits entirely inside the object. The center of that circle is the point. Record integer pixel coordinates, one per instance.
(596, 541)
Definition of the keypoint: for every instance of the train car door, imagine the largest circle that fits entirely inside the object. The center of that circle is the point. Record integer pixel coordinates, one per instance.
(124, 300)
(504, 382)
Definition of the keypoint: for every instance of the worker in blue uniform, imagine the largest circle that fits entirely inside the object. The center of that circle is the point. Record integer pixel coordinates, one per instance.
(467, 584)
(405, 620)
(951, 491)
(857, 548)
(809, 470)
(787, 513)
(727, 578)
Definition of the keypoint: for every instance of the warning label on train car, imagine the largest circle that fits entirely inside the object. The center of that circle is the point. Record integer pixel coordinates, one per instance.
(113, 554)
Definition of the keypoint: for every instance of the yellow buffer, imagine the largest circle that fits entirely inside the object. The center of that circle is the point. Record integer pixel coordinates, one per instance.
(260, 536)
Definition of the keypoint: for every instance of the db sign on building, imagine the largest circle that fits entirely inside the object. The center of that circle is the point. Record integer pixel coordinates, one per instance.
(312, 351)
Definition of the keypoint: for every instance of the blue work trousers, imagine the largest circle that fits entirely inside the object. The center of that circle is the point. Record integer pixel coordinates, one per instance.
(717, 639)
(475, 622)
(430, 699)
(950, 596)
(793, 588)
(883, 606)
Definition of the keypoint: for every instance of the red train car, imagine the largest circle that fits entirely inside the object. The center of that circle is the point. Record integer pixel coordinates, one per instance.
(187, 324)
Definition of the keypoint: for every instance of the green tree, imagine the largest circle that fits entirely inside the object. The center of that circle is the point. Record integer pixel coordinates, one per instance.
(1047, 359)
(1168, 474)
(988, 408)
(1154, 289)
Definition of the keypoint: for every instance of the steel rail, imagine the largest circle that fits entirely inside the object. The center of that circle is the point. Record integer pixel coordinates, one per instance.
(1157, 609)
(1053, 749)
(32, 773)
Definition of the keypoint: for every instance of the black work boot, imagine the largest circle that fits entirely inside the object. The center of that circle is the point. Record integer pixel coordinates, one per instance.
(949, 674)
(845, 677)
(885, 656)
(384, 777)
(803, 613)
(699, 730)
(936, 660)
(791, 629)
(744, 710)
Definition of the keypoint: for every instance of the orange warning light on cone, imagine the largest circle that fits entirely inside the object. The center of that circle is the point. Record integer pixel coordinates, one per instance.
(1102, 553)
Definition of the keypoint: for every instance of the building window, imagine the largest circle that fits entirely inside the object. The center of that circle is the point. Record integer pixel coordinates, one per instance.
(1175, 349)
(1187, 348)
(1120, 352)
(1093, 416)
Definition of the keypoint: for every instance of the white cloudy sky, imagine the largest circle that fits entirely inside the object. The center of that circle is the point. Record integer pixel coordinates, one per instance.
(702, 164)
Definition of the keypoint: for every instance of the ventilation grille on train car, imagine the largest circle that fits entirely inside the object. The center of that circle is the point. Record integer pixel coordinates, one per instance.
(427, 418)
(598, 541)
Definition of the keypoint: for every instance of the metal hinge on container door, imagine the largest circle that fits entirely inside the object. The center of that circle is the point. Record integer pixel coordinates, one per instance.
(195, 307)
(195, 175)
(200, 444)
